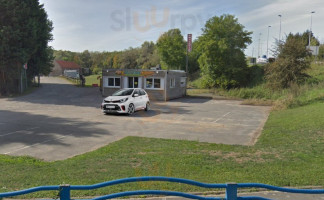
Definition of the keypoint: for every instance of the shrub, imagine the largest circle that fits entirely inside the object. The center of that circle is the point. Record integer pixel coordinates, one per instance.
(291, 65)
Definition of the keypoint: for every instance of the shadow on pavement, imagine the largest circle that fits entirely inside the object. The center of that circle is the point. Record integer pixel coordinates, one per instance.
(63, 94)
(29, 129)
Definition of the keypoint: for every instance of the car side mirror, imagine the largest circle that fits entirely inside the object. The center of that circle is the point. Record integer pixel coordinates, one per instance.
(135, 95)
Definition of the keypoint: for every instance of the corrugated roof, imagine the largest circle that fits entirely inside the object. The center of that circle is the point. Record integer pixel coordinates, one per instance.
(68, 64)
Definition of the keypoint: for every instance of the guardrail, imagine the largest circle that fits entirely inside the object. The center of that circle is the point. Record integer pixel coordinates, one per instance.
(231, 189)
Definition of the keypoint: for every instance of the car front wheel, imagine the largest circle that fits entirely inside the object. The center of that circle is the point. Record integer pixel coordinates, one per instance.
(147, 107)
(131, 109)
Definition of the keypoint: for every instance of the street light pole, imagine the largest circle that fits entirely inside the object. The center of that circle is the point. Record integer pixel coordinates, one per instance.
(259, 46)
(268, 42)
(280, 29)
(310, 31)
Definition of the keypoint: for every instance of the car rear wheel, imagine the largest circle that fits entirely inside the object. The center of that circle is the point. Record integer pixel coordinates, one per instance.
(147, 107)
(131, 109)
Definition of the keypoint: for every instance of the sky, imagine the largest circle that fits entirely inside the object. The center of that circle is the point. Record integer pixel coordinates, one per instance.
(114, 25)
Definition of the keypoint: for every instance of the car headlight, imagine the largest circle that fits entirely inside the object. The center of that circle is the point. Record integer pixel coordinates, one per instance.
(123, 100)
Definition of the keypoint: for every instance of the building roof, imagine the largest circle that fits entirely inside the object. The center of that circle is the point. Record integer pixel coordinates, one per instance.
(68, 64)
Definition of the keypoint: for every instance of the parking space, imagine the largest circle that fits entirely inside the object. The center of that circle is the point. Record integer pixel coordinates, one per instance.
(59, 121)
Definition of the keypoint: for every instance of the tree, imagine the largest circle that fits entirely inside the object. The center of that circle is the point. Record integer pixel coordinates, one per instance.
(24, 34)
(108, 62)
(66, 55)
(291, 64)
(86, 60)
(116, 62)
(128, 58)
(193, 56)
(222, 59)
(41, 61)
(314, 41)
(172, 49)
(146, 55)
(321, 52)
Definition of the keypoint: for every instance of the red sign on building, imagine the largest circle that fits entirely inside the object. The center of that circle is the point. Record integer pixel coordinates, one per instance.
(189, 42)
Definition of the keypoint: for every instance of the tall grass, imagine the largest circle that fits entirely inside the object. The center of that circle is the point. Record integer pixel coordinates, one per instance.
(297, 95)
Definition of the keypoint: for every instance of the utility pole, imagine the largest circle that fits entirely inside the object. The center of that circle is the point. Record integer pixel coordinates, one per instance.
(310, 31)
(279, 39)
(189, 48)
(268, 42)
(259, 45)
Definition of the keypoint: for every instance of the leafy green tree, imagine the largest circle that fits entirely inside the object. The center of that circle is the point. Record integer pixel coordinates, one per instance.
(314, 41)
(76, 59)
(222, 59)
(321, 52)
(108, 62)
(66, 55)
(41, 61)
(98, 60)
(128, 58)
(193, 56)
(116, 63)
(154, 59)
(24, 34)
(147, 54)
(172, 49)
(86, 60)
(291, 64)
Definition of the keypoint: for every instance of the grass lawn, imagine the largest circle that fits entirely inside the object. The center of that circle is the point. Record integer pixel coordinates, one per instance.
(92, 79)
(288, 153)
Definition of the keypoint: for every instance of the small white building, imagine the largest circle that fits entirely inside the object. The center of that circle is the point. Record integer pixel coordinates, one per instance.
(160, 85)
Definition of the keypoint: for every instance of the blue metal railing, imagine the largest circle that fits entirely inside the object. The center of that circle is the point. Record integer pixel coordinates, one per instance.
(231, 189)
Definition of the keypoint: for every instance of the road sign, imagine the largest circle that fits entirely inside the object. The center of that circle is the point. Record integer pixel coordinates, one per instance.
(25, 66)
(189, 41)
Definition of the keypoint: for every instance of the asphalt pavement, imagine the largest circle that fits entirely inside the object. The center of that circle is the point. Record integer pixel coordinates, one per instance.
(60, 120)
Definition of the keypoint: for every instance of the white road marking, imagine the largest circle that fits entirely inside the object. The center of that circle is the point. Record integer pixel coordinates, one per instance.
(222, 117)
(18, 131)
(28, 146)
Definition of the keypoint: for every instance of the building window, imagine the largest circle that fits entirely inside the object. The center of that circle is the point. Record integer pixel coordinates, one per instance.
(172, 83)
(183, 81)
(154, 83)
(132, 82)
(114, 82)
(149, 83)
(157, 83)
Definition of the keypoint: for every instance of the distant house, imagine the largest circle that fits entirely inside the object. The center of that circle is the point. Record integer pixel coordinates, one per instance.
(62, 67)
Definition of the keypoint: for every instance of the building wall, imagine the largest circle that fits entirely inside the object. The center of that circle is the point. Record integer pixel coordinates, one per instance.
(178, 90)
(56, 70)
(155, 94)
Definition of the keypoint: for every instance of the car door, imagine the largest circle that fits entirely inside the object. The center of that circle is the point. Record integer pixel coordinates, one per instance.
(144, 98)
(137, 99)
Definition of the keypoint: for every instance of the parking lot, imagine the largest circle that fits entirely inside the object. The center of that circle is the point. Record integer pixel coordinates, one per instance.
(59, 121)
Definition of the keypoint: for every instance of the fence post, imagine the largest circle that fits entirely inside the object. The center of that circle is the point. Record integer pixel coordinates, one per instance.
(65, 192)
(231, 191)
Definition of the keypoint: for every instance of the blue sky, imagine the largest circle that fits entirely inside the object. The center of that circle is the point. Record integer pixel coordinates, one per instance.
(109, 25)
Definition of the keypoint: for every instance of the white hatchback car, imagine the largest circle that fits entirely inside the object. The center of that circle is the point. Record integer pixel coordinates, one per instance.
(126, 101)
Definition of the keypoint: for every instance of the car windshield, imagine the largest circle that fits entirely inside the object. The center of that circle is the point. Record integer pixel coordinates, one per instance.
(123, 92)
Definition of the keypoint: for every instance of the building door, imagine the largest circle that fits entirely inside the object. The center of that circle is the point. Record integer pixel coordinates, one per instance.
(134, 82)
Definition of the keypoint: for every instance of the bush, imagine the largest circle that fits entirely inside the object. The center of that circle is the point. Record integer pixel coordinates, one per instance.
(97, 70)
(255, 75)
(291, 64)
